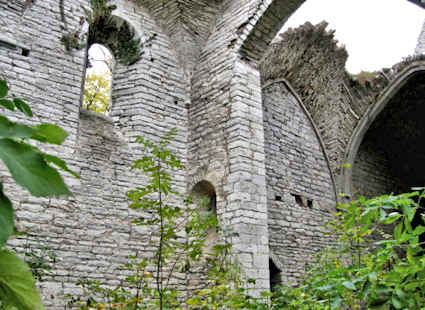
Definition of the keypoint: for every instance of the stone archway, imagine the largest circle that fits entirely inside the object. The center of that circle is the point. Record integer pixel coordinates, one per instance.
(378, 132)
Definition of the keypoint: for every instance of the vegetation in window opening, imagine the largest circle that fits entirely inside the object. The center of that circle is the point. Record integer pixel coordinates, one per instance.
(97, 87)
(112, 32)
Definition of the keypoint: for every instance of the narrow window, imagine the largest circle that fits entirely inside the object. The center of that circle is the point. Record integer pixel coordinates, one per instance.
(298, 200)
(274, 275)
(204, 192)
(98, 80)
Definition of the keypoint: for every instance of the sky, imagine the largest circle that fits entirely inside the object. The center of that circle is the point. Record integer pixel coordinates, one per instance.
(376, 33)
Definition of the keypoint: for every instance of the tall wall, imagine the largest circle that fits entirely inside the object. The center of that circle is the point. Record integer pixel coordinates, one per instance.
(202, 75)
(90, 233)
(300, 191)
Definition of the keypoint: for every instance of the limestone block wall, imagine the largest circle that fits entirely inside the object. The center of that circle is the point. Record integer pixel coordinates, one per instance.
(372, 172)
(90, 233)
(226, 138)
(300, 191)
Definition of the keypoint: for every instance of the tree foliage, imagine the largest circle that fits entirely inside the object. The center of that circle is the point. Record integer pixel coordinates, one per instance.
(97, 90)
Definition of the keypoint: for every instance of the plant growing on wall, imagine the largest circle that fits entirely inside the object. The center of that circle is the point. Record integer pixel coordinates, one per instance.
(179, 247)
(31, 169)
(112, 32)
(361, 271)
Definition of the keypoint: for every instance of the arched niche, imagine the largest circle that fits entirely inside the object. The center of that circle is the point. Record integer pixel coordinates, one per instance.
(385, 152)
(204, 192)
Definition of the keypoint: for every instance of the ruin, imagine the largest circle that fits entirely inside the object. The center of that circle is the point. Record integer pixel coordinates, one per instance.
(266, 126)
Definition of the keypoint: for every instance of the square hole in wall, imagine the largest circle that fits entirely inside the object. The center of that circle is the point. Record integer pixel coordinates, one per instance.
(25, 52)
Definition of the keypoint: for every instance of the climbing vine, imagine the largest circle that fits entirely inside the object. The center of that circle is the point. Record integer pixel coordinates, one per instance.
(108, 30)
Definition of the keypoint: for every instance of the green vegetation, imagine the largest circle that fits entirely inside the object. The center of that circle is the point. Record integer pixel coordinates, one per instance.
(31, 169)
(377, 261)
(97, 90)
(180, 246)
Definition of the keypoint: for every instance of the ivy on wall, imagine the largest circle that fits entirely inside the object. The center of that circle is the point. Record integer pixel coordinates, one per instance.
(108, 30)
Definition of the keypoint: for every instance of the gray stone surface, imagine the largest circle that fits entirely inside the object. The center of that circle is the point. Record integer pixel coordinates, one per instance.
(295, 167)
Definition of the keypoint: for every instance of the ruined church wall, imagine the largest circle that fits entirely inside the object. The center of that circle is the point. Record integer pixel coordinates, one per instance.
(90, 233)
(226, 140)
(300, 192)
(371, 174)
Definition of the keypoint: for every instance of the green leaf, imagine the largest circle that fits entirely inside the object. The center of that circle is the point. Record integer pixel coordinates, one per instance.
(408, 211)
(349, 285)
(6, 217)
(59, 163)
(373, 276)
(3, 88)
(396, 303)
(392, 217)
(7, 104)
(397, 230)
(419, 230)
(22, 106)
(13, 130)
(49, 133)
(17, 286)
(29, 169)
(336, 302)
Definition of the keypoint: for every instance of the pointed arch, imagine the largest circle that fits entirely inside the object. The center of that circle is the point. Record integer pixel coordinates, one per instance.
(358, 135)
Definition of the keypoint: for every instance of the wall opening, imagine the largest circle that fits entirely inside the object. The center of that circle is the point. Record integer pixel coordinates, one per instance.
(205, 190)
(205, 198)
(98, 79)
(391, 156)
(274, 275)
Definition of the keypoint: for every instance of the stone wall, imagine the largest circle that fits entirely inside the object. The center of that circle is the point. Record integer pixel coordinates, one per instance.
(372, 173)
(200, 75)
(300, 192)
(90, 233)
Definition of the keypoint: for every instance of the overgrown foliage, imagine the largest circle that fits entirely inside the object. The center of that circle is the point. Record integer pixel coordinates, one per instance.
(31, 169)
(379, 262)
(181, 228)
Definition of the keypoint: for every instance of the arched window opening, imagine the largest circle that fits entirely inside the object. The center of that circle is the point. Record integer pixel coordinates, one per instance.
(274, 275)
(98, 80)
(111, 40)
(205, 197)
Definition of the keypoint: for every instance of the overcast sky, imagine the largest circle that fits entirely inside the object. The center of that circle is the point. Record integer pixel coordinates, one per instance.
(376, 33)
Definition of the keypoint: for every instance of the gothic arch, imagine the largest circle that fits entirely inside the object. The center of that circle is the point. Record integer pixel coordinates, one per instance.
(312, 124)
(357, 137)
(265, 22)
